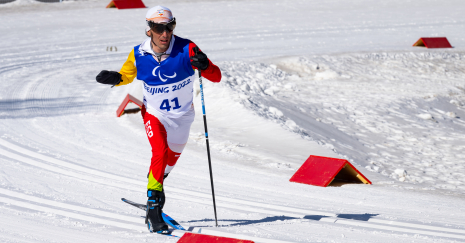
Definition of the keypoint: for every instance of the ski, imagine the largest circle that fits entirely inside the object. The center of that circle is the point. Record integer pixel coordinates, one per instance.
(137, 205)
(170, 221)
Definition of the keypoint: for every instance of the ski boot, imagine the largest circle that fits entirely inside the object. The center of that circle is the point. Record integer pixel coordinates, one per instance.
(154, 218)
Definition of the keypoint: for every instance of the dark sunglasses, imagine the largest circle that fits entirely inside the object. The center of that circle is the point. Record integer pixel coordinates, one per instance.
(160, 28)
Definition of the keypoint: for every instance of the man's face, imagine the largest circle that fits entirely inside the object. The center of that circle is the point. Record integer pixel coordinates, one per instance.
(162, 41)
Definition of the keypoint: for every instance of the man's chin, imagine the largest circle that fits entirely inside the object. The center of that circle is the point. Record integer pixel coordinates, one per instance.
(164, 45)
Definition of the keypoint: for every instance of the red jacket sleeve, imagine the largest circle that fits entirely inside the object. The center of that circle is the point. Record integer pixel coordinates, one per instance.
(212, 73)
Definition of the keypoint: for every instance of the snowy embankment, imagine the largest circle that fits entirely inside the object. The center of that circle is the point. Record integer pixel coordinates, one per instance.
(332, 78)
(399, 114)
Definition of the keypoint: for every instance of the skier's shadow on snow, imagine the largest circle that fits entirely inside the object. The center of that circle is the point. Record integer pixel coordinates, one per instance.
(361, 217)
(238, 222)
(246, 222)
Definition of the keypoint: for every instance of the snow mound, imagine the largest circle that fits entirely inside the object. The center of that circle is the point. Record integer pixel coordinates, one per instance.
(20, 3)
(425, 116)
(365, 107)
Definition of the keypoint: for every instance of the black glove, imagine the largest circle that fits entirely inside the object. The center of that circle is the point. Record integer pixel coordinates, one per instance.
(109, 77)
(199, 60)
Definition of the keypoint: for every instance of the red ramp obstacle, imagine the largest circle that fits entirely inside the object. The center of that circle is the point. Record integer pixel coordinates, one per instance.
(124, 4)
(129, 98)
(324, 171)
(198, 238)
(433, 42)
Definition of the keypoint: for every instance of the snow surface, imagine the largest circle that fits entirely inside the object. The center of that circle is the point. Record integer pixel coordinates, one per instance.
(331, 78)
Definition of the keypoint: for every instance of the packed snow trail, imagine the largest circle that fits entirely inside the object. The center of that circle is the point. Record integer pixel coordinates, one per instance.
(67, 160)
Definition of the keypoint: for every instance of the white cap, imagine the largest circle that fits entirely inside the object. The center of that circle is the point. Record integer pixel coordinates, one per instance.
(159, 14)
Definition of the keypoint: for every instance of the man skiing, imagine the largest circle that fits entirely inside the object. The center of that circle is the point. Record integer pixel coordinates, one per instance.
(165, 63)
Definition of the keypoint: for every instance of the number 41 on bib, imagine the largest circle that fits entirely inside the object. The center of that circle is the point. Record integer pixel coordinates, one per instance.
(165, 104)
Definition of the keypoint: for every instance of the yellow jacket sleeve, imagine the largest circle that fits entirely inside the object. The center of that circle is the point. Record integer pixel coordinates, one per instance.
(128, 71)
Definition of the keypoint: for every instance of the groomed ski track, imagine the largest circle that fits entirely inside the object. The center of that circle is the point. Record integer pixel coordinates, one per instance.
(67, 160)
(95, 176)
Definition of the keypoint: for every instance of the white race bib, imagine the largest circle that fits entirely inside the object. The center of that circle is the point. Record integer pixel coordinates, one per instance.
(171, 100)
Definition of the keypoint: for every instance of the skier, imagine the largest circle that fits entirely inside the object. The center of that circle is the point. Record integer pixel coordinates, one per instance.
(165, 63)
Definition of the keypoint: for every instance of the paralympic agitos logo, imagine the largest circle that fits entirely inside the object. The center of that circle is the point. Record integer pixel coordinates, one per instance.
(154, 73)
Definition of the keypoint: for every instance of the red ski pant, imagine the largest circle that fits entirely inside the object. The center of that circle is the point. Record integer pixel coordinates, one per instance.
(163, 157)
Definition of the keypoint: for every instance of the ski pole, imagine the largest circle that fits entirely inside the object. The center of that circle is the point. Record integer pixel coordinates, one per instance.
(208, 145)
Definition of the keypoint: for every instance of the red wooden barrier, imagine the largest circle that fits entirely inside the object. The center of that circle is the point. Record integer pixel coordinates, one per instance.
(129, 98)
(324, 171)
(433, 42)
(124, 4)
(199, 238)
